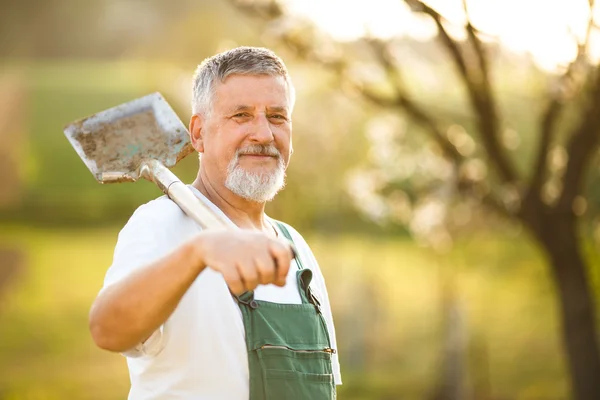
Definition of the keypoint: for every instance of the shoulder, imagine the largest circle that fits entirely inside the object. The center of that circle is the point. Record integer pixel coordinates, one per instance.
(158, 215)
(154, 229)
(161, 221)
(159, 210)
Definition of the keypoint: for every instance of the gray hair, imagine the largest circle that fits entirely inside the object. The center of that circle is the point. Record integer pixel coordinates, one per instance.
(242, 61)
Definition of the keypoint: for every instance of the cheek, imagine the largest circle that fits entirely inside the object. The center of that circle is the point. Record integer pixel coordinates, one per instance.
(223, 144)
(283, 135)
(285, 146)
(224, 154)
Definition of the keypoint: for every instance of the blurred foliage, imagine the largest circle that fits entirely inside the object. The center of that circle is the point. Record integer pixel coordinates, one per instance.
(58, 189)
(328, 145)
(68, 74)
(385, 294)
(73, 59)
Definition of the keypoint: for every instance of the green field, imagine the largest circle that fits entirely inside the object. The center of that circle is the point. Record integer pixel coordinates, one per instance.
(387, 301)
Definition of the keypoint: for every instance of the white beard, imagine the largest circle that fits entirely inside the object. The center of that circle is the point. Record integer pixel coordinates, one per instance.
(257, 187)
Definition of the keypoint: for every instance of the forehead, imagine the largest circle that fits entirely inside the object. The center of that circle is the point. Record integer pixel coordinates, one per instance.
(252, 90)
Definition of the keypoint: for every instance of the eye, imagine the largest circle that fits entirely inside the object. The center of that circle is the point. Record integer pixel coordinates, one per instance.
(241, 115)
(278, 117)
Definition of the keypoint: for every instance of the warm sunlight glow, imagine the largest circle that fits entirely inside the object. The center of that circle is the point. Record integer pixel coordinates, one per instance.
(546, 29)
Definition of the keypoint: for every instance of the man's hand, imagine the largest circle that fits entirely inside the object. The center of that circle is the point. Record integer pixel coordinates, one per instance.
(245, 258)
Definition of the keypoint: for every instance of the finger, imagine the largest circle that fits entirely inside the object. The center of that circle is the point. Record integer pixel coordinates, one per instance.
(234, 281)
(265, 266)
(282, 255)
(248, 274)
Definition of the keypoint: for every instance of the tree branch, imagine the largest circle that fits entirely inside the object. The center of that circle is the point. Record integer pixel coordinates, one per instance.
(581, 147)
(477, 47)
(384, 56)
(402, 100)
(547, 130)
(479, 91)
(552, 114)
(416, 113)
(449, 43)
(466, 187)
(478, 88)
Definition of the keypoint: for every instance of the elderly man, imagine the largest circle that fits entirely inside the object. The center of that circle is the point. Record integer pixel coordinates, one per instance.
(223, 314)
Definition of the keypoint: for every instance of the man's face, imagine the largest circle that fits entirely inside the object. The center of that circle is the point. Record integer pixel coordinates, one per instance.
(246, 139)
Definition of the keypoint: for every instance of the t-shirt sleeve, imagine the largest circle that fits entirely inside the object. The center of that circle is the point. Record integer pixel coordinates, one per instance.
(145, 238)
(319, 281)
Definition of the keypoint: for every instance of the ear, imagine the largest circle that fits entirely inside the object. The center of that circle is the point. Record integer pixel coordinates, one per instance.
(197, 133)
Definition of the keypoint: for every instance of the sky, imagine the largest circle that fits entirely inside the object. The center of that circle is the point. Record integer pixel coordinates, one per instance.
(546, 29)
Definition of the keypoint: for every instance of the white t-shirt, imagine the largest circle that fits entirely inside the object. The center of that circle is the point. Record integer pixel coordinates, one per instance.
(200, 351)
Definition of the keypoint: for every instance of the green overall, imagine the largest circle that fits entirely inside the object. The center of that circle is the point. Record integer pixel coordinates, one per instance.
(289, 351)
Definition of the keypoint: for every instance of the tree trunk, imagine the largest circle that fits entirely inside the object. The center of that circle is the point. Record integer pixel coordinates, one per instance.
(451, 384)
(576, 306)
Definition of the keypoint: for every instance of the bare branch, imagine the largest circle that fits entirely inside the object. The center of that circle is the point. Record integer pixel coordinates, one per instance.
(414, 111)
(480, 92)
(583, 45)
(372, 95)
(428, 122)
(401, 100)
(581, 147)
(477, 46)
(548, 125)
(553, 111)
(591, 23)
(469, 188)
(384, 56)
(451, 45)
(492, 203)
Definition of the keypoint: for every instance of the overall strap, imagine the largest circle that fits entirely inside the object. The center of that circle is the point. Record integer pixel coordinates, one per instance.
(287, 235)
(304, 278)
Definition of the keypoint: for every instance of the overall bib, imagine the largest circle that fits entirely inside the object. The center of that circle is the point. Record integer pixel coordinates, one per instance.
(289, 350)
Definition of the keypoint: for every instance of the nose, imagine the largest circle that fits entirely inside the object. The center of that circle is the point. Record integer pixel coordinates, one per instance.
(261, 132)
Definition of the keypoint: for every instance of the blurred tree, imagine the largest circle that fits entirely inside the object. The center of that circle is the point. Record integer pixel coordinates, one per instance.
(12, 264)
(547, 197)
(97, 28)
(12, 136)
(76, 59)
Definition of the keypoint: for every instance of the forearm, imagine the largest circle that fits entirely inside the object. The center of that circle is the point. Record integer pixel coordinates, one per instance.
(127, 312)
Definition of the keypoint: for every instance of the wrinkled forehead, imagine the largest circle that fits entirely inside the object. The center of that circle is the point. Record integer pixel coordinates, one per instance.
(253, 91)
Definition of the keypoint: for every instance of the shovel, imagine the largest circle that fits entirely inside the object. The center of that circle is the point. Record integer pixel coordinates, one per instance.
(140, 139)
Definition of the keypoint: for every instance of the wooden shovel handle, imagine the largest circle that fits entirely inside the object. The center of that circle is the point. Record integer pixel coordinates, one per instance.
(177, 191)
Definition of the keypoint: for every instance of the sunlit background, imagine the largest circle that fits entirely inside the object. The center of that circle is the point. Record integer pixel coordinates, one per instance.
(547, 30)
(434, 296)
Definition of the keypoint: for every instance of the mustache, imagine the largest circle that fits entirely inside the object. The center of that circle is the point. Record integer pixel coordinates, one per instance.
(259, 150)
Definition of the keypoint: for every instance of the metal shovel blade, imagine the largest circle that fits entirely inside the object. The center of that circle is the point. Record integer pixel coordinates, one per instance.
(114, 143)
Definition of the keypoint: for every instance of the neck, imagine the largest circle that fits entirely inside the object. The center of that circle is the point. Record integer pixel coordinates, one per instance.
(244, 213)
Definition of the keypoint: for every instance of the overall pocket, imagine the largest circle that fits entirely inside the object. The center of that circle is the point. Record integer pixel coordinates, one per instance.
(292, 385)
(296, 374)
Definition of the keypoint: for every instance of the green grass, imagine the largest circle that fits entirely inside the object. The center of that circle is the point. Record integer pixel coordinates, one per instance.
(57, 187)
(387, 300)
(501, 286)
(46, 351)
